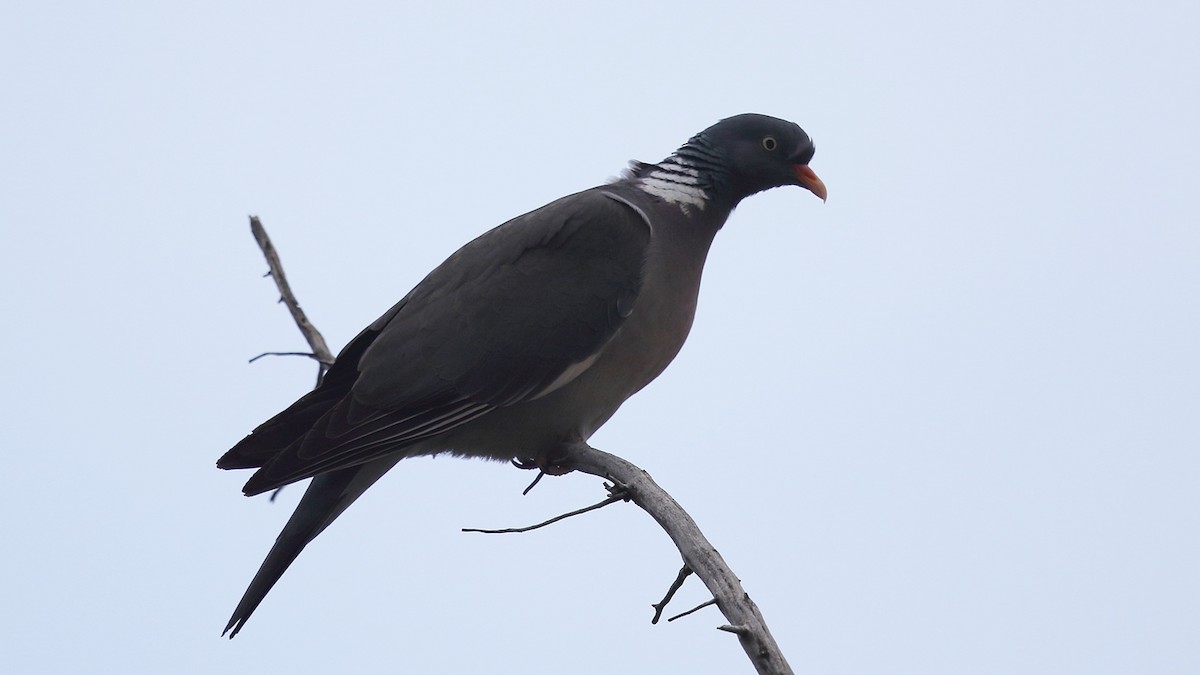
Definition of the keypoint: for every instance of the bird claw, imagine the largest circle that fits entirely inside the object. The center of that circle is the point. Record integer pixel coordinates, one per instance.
(524, 463)
(557, 465)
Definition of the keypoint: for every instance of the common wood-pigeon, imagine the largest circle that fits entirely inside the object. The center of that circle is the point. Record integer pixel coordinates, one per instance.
(526, 339)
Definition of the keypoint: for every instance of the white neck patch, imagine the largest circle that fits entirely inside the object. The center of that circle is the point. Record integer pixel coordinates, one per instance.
(676, 182)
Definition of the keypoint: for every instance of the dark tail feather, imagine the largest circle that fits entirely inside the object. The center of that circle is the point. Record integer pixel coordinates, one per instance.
(326, 498)
(282, 554)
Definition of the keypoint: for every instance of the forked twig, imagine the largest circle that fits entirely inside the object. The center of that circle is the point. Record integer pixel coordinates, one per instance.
(320, 350)
(659, 606)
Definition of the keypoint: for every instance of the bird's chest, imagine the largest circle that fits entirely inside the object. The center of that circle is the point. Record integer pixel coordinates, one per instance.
(645, 344)
(655, 331)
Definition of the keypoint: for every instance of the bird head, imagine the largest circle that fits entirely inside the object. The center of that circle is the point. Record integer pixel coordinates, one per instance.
(756, 153)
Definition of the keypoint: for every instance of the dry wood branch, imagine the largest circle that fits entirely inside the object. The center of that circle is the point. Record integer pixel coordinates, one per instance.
(744, 618)
(659, 606)
(320, 351)
(614, 497)
(308, 354)
(697, 608)
(536, 479)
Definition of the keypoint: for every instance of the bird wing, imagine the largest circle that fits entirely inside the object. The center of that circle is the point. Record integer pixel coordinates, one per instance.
(511, 316)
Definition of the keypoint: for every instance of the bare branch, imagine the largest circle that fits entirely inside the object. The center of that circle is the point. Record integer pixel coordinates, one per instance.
(532, 485)
(613, 498)
(697, 608)
(684, 573)
(320, 351)
(311, 356)
(698, 554)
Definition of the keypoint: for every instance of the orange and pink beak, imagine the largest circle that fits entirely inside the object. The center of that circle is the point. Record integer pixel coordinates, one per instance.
(809, 181)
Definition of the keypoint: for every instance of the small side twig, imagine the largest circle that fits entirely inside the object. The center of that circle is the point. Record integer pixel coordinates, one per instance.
(309, 355)
(659, 606)
(611, 499)
(532, 485)
(320, 350)
(697, 608)
(745, 619)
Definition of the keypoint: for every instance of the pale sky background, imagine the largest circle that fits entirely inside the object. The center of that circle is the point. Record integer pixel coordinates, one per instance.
(947, 422)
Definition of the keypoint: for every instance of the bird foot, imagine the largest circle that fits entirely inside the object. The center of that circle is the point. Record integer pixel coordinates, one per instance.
(551, 464)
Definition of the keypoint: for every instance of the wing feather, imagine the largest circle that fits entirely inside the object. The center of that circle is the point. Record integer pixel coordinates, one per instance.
(519, 311)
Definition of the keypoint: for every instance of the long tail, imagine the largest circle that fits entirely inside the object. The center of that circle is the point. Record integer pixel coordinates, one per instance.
(326, 498)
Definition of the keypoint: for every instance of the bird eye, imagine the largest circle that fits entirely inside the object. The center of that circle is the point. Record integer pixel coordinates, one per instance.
(769, 144)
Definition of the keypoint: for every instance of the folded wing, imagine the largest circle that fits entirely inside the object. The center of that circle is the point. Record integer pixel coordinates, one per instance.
(517, 312)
